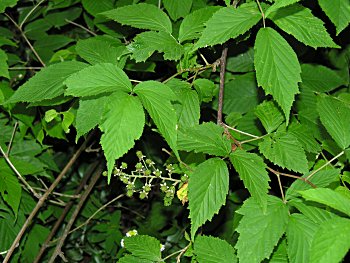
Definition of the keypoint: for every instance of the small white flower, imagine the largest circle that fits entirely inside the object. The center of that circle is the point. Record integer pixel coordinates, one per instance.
(122, 242)
(162, 247)
(131, 233)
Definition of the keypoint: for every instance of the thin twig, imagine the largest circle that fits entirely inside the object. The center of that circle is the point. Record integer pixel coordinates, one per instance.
(11, 140)
(26, 39)
(82, 27)
(76, 212)
(262, 12)
(65, 212)
(42, 199)
(58, 194)
(281, 188)
(190, 69)
(292, 176)
(254, 139)
(239, 131)
(29, 13)
(25, 68)
(222, 83)
(181, 251)
(323, 166)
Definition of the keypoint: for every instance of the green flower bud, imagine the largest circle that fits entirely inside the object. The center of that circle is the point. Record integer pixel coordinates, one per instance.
(104, 173)
(148, 172)
(130, 186)
(138, 166)
(129, 193)
(124, 165)
(143, 195)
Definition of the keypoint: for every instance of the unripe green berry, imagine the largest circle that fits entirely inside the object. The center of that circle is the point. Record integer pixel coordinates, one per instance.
(184, 178)
(124, 165)
(139, 154)
(149, 161)
(147, 188)
(130, 186)
(148, 172)
(167, 201)
(129, 193)
(143, 195)
(163, 187)
(138, 166)
(104, 173)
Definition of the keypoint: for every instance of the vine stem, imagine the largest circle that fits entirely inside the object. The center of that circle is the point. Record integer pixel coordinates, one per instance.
(29, 13)
(76, 212)
(42, 199)
(82, 27)
(241, 132)
(222, 83)
(327, 163)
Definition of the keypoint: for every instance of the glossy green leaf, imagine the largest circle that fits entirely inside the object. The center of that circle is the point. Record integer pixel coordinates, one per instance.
(123, 124)
(270, 115)
(144, 247)
(277, 68)
(207, 190)
(229, 23)
(178, 8)
(338, 12)
(148, 17)
(97, 79)
(259, 231)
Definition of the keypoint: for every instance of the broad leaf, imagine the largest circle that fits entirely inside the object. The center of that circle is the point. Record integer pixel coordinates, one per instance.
(279, 4)
(97, 79)
(144, 247)
(259, 231)
(300, 232)
(328, 197)
(229, 23)
(252, 170)
(146, 43)
(243, 62)
(319, 78)
(277, 68)
(300, 23)
(207, 137)
(10, 225)
(270, 115)
(131, 259)
(207, 190)
(144, 16)
(280, 253)
(331, 242)
(338, 12)
(284, 150)
(10, 188)
(205, 89)
(335, 115)
(156, 98)
(178, 8)
(7, 3)
(123, 124)
(193, 24)
(4, 72)
(212, 250)
(305, 136)
(47, 83)
(93, 7)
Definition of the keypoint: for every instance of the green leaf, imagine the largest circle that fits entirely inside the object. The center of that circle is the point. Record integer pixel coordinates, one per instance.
(89, 114)
(252, 170)
(205, 89)
(331, 242)
(300, 232)
(36, 238)
(4, 72)
(148, 17)
(300, 23)
(212, 250)
(270, 115)
(144, 247)
(178, 8)
(93, 7)
(207, 137)
(279, 4)
(10, 225)
(305, 136)
(207, 190)
(280, 253)
(47, 83)
(58, 19)
(123, 124)
(146, 43)
(328, 197)
(335, 115)
(284, 150)
(319, 78)
(10, 188)
(7, 3)
(259, 231)
(97, 79)
(156, 98)
(193, 24)
(131, 259)
(95, 51)
(338, 12)
(277, 68)
(229, 23)
(243, 62)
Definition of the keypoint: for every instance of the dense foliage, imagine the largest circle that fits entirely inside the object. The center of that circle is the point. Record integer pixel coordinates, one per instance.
(221, 129)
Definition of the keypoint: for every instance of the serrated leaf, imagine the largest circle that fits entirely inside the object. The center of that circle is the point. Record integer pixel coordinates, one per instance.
(132, 259)
(205, 89)
(335, 115)
(178, 8)
(93, 7)
(305, 136)
(148, 17)
(284, 150)
(207, 190)
(89, 114)
(144, 247)
(213, 250)
(280, 253)
(10, 188)
(300, 23)
(252, 170)
(4, 72)
(328, 197)
(277, 68)
(243, 62)
(270, 115)
(207, 137)
(97, 79)
(319, 78)
(279, 4)
(156, 98)
(123, 124)
(300, 232)
(229, 23)
(259, 231)
(146, 43)
(10, 225)
(338, 12)
(47, 83)
(331, 242)
(322, 178)
(7, 3)
(193, 24)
